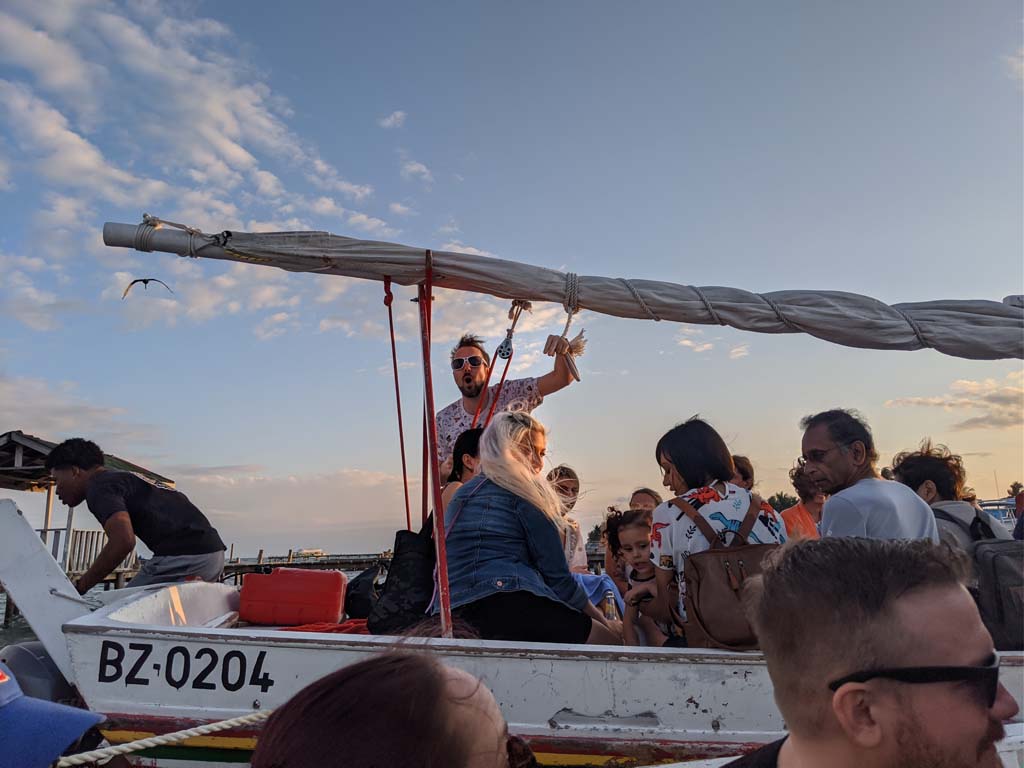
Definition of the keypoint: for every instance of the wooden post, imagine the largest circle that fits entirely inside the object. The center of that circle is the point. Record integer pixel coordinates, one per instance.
(48, 514)
(119, 580)
(289, 555)
(259, 558)
(231, 553)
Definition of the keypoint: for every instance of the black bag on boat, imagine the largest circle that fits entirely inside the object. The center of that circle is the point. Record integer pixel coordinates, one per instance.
(999, 566)
(999, 592)
(410, 583)
(364, 591)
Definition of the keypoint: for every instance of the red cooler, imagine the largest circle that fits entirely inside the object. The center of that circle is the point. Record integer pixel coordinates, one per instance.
(292, 596)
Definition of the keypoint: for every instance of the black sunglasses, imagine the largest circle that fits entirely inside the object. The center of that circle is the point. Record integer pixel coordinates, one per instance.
(519, 753)
(985, 679)
(458, 362)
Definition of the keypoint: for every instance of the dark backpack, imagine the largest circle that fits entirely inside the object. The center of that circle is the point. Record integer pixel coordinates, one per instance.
(999, 593)
(410, 583)
(714, 584)
(365, 590)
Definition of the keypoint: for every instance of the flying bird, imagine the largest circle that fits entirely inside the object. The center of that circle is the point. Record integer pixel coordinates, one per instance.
(145, 284)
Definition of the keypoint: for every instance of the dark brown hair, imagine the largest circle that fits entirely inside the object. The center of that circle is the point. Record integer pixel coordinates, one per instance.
(697, 451)
(617, 520)
(744, 468)
(806, 488)
(387, 710)
(845, 426)
(933, 463)
(472, 340)
(822, 609)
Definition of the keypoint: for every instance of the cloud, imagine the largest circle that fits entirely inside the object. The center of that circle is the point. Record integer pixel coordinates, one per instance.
(457, 246)
(56, 412)
(394, 120)
(35, 308)
(1000, 403)
(264, 296)
(696, 346)
(1015, 63)
(329, 324)
(273, 326)
(450, 227)
(332, 286)
(5, 175)
(56, 64)
(64, 157)
(741, 351)
(268, 184)
(371, 225)
(413, 169)
(396, 208)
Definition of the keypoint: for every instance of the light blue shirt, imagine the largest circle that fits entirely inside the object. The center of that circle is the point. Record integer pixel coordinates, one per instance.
(878, 509)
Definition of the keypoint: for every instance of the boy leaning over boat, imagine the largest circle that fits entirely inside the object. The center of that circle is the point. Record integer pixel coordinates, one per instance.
(183, 542)
(901, 672)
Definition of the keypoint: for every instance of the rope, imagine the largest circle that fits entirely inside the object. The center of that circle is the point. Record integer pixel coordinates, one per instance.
(504, 351)
(707, 306)
(778, 312)
(643, 304)
(389, 298)
(149, 225)
(572, 293)
(161, 741)
(914, 327)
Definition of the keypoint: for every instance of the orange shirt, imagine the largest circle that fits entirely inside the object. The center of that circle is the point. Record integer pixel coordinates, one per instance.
(799, 523)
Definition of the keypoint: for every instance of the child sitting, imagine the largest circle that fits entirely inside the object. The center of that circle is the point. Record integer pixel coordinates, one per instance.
(629, 537)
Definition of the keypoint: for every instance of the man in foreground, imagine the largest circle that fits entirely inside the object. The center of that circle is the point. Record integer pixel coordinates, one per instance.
(838, 453)
(183, 542)
(878, 658)
(470, 364)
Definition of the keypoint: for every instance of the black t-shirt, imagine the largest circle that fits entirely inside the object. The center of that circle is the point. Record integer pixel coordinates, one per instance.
(166, 521)
(765, 757)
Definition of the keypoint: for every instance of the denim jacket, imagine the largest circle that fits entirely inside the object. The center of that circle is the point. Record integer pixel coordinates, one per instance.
(500, 543)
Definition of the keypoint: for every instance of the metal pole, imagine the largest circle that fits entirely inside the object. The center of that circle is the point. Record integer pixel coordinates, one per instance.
(435, 470)
(48, 514)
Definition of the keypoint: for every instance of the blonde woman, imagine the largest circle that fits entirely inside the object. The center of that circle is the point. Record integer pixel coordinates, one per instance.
(507, 572)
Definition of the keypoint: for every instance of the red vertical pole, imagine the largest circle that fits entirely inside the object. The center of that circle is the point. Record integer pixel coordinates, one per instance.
(426, 469)
(435, 470)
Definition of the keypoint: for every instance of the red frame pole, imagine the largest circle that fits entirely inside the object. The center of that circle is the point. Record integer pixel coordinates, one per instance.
(435, 471)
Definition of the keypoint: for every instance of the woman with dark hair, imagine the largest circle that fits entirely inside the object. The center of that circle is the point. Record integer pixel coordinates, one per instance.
(397, 708)
(744, 472)
(697, 467)
(465, 462)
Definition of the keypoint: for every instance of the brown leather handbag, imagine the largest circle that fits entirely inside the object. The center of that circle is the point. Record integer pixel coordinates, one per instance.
(714, 584)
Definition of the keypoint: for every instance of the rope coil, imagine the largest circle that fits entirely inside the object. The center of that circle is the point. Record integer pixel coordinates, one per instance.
(643, 304)
(85, 758)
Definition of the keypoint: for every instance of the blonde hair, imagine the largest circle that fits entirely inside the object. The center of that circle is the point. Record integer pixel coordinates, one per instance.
(503, 461)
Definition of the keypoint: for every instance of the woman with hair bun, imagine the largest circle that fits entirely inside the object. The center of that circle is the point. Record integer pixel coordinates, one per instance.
(507, 573)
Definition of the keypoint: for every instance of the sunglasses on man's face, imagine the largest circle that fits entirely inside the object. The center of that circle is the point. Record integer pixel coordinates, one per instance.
(519, 753)
(984, 679)
(459, 362)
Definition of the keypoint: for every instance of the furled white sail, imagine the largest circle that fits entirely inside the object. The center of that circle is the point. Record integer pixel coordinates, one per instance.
(974, 329)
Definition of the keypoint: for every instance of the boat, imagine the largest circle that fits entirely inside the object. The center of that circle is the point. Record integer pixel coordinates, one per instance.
(157, 660)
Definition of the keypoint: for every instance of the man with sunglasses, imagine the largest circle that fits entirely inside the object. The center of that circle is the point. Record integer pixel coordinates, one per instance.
(470, 365)
(878, 658)
(839, 456)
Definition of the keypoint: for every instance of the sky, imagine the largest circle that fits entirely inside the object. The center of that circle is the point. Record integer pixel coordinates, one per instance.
(867, 147)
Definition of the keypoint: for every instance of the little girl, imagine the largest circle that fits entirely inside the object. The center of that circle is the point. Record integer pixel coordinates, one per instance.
(629, 537)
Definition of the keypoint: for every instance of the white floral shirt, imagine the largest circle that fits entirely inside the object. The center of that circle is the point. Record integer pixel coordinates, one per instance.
(674, 536)
(452, 420)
